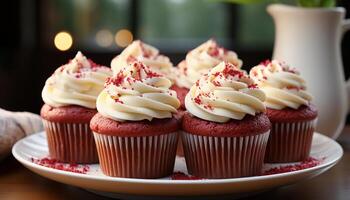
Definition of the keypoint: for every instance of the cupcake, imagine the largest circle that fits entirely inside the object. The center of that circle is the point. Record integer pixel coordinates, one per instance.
(225, 131)
(135, 131)
(148, 55)
(292, 115)
(197, 63)
(70, 103)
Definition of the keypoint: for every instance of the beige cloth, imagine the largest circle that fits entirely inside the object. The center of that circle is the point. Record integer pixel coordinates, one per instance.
(14, 126)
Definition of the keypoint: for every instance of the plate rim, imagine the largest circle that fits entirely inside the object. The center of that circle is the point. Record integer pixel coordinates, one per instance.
(28, 163)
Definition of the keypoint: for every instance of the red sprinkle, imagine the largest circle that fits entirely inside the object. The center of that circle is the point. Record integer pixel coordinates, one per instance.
(183, 176)
(232, 70)
(308, 163)
(208, 107)
(116, 80)
(213, 51)
(93, 64)
(253, 86)
(197, 100)
(265, 62)
(197, 83)
(54, 164)
(216, 83)
(118, 101)
(293, 88)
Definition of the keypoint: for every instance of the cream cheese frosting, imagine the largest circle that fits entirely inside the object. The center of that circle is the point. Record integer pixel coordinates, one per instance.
(200, 60)
(147, 54)
(76, 83)
(137, 93)
(284, 87)
(224, 93)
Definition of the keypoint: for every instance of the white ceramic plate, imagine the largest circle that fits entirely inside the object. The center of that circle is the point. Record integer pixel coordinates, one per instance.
(35, 146)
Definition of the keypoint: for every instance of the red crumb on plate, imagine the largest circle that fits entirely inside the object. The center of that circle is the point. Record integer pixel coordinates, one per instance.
(308, 163)
(54, 164)
(183, 176)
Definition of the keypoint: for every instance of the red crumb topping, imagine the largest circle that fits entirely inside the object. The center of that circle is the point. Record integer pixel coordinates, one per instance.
(197, 100)
(116, 80)
(118, 101)
(183, 176)
(119, 78)
(93, 64)
(208, 107)
(253, 86)
(308, 163)
(216, 83)
(197, 83)
(213, 51)
(54, 164)
(232, 70)
(265, 62)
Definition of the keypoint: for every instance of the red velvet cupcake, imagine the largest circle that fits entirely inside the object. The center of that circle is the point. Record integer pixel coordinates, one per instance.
(226, 131)
(198, 62)
(70, 103)
(292, 115)
(135, 132)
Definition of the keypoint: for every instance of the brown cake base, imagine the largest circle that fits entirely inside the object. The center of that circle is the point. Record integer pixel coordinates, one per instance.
(225, 150)
(136, 149)
(290, 142)
(291, 134)
(69, 136)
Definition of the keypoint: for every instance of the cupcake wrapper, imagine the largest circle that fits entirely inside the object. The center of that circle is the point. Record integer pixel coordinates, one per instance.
(137, 157)
(180, 149)
(290, 142)
(224, 157)
(71, 142)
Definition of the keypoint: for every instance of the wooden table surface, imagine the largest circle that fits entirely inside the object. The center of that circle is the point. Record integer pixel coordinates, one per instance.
(17, 183)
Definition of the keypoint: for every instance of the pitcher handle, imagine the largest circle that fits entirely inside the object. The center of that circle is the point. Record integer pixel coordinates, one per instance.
(345, 28)
(346, 25)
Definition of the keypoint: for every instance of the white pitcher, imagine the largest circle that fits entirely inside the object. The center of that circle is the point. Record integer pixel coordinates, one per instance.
(309, 40)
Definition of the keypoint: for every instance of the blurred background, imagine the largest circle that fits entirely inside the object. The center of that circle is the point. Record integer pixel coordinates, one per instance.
(37, 36)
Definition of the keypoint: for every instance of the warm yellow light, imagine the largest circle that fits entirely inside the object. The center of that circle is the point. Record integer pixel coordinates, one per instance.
(123, 37)
(104, 38)
(63, 41)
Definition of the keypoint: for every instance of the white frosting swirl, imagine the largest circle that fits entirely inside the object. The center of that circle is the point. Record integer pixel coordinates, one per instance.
(148, 55)
(200, 60)
(224, 93)
(137, 93)
(77, 83)
(284, 87)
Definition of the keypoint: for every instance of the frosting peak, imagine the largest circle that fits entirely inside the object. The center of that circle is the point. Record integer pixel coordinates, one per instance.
(147, 54)
(137, 93)
(283, 85)
(76, 83)
(224, 93)
(201, 59)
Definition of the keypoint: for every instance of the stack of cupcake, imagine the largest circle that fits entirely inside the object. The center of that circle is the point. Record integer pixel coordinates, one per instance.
(130, 118)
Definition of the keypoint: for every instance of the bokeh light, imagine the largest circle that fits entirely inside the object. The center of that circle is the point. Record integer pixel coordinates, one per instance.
(123, 37)
(63, 41)
(104, 38)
